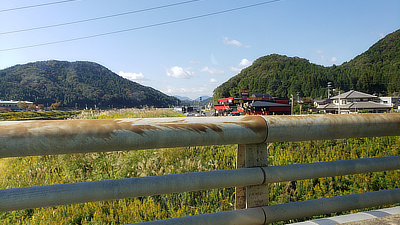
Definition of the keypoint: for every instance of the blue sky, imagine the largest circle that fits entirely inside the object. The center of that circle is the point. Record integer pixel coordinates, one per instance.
(192, 57)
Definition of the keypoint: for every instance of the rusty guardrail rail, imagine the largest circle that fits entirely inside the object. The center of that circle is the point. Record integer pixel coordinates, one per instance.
(32, 138)
(27, 138)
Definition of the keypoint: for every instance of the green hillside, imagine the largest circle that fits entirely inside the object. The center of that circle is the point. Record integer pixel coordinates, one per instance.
(76, 84)
(376, 71)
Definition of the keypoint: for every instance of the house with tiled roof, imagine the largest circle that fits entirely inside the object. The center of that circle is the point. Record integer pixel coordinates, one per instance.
(354, 101)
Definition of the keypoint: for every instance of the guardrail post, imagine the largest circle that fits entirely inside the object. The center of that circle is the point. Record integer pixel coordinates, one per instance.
(240, 192)
(251, 155)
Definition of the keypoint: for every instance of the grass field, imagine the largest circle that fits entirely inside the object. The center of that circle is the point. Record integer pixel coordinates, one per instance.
(42, 115)
(44, 170)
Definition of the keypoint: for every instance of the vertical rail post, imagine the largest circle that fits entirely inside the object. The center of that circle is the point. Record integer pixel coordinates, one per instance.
(240, 192)
(251, 155)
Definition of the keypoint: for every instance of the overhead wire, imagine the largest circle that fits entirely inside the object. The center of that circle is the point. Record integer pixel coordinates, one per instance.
(98, 18)
(143, 27)
(37, 5)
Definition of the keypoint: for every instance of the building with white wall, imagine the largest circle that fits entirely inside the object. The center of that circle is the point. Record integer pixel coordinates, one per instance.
(13, 105)
(355, 101)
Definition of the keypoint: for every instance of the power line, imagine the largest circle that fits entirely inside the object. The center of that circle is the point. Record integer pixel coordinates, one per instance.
(142, 27)
(98, 18)
(34, 6)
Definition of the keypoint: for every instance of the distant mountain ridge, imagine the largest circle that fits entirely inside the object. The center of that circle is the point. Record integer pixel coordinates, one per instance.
(183, 98)
(76, 84)
(376, 71)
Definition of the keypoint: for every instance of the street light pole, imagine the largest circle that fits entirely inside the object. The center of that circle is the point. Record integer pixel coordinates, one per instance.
(339, 104)
(291, 106)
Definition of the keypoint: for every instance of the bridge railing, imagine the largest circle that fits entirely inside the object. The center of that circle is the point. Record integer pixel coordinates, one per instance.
(251, 133)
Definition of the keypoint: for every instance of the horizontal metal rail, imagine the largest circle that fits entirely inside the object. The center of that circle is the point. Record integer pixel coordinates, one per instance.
(288, 211)
(302, 209)
(31, 138)
(62, 194)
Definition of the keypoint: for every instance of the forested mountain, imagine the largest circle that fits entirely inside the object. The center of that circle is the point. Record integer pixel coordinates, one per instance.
(76, 84)
(376, 71)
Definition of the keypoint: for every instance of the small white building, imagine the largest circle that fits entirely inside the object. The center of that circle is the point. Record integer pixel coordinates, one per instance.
(13, 105)
(386, 101)
(393, 102)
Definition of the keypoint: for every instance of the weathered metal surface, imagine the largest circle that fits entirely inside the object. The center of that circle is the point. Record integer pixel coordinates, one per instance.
(324, 127)
(80, 136)
(29, 138)
(251, 216)
(251, 155)
(297, 210)
(274, 174)
(294, 210)
(256, 156)
(63, 194)
(240, 192)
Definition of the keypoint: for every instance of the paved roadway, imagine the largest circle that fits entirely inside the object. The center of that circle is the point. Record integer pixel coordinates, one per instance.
(386, 220)
(388, 216)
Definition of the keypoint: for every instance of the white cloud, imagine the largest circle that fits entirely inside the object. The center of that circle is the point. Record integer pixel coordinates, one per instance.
(234, 42)
(245, 63)
(331, 60)
(132, 76)
(323, 58)
(194, 62)
(235, 69)
(213, 60)
(179, 72)
(211, 70)
(193, 92)
(213, 80)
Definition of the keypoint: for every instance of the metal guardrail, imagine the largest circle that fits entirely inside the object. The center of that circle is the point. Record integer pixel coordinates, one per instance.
(72, 193)
(27, 138)
(32, 138)
(287, 211)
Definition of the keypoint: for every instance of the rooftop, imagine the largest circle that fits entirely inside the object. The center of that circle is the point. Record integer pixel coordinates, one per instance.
(266, 104)
(355, 105)
(354, 94)
(14, 102)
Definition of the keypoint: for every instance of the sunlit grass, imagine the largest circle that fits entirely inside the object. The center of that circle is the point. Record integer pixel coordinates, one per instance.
(37, 115)
(44, 170)
(128, 113)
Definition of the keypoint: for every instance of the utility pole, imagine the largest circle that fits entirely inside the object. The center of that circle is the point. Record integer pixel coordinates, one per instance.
(298, 97)
(330, 85)
(291, 106)
(339, 104)
(298, 100)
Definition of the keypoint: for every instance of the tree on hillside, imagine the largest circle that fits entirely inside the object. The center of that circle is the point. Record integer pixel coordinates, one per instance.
(22, 105)
(376, 71)
(31, 107)
(41, 107)
(76, 83)
(55, 105)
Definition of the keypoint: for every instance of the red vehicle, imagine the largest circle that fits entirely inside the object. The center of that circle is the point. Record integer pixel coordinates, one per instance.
(257, 104)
